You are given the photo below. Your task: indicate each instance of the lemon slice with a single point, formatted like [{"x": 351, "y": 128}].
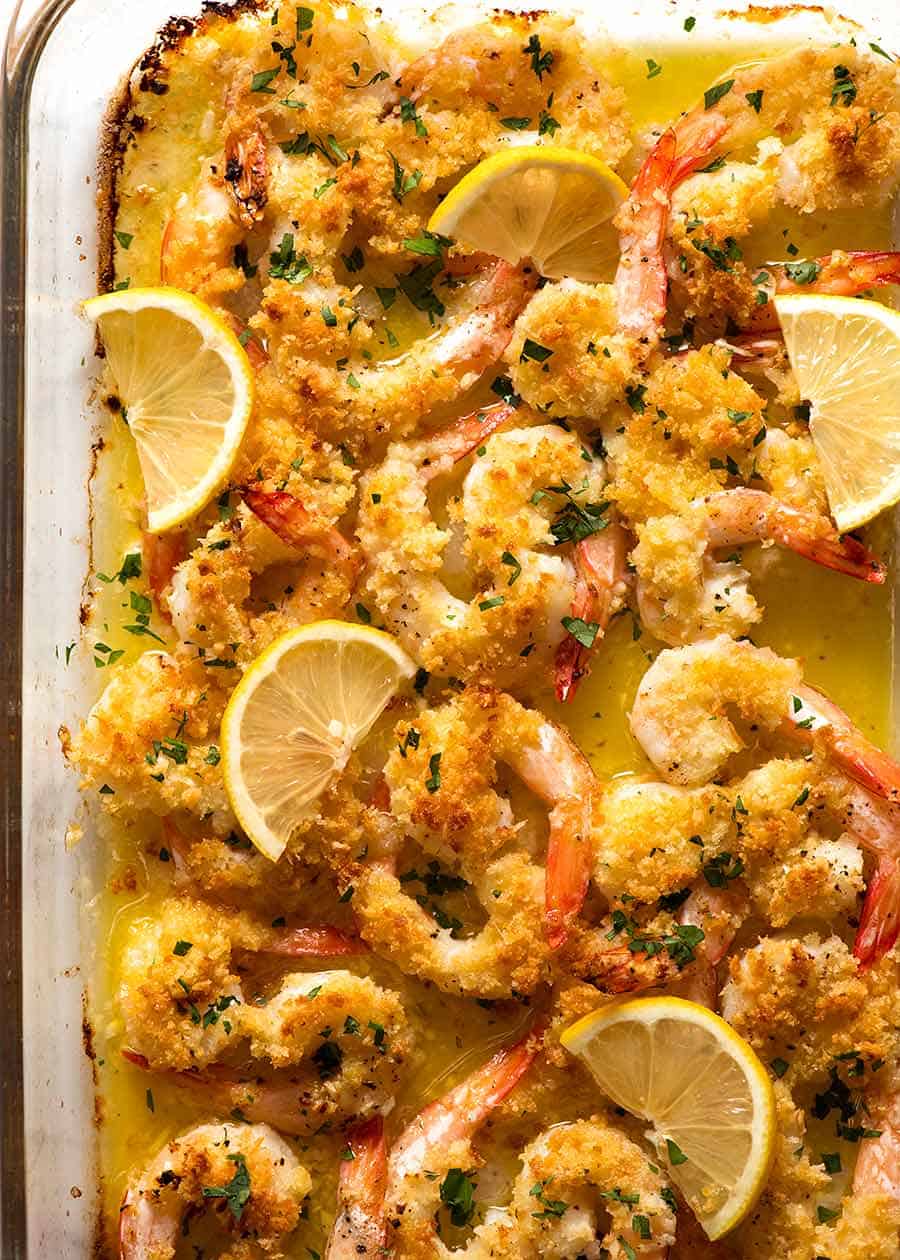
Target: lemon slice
[
  {"x": 551, "y": 205},
  {"x": 187, "y": 389},
  {"x": 700, "y": 1085},
  {"x": 845, "y": 353},
  {"x": 295, "y": 717}
]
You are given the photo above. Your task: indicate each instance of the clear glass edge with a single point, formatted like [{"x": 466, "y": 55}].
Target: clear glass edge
[
  {"x": 25, "y": 40},
  {"x": 30, "y": 28}
]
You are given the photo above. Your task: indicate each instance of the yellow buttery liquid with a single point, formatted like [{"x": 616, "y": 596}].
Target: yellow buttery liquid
[{"x": 841, "y": 629}]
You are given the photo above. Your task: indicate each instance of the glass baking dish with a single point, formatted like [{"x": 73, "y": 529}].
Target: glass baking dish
[{"x": 63, "y": 61}]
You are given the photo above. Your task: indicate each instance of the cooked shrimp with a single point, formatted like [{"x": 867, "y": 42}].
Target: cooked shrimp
[
  {"x": 352, "y": 398},
  {"x": 508, "y": 66},
  {"x": 553, "y": 768},
  {"x": 327, "y": 1047},
  {"x": 878, "y": 1164},
  {"x": 593, "y": 339},
  {"x": 719, "y": 913},
  {"x": 529, "y": 494},
  {"x": 568, "y": 1199},
  {"x": 442, "y": 792},
  {"x": 807, "y": 1002},
  {"x": 876, "y": 825},
  {"x": 247, "y": 1174},
  {"x": 266, "y": 569},
  {"x": 684, "y": 594},
  {"x": 145, "y": 745},
  {"x": 181, "y": 990},
  {"x": 679, "y": 713},
  {"x": 360, "y": 1228},
  {"x": 229, "y": 869},
  {"x": 601, "y": 565},
  {"x": 438, "y": 1141},
  {"x": 826, "y": 122}
]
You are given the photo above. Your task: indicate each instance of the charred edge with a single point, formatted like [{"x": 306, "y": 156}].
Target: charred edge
[
  {"x": 123, "y": 120},
  {"x": 777, "y": 12},
  {"x": 87, "y": 596}
]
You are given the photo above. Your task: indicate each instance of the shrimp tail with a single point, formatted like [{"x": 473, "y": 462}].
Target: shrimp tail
[
  {"x": 858, "y": 756},
  {"x": 458, "y": 1114},
  {"x": 247, "y": 175},
  {"x": 696, "y": 140},
  {"x": 487, "y": 1087},
  {"x": 844, "y": 554},
  {"x": 736, "y": 516},
  {"x": 846, "y": 273},
  {"x": 600, "y": 574},
  {"x": 360, "y": 1228},
  {"x": 568, "y": 876},
  {"x": 879, "y": 925},
  {"x": 287, "y": 518},
  {"x": 642, "y": 285},
  {"x": 842, "y": 273},
  {"x": 462, "y": 436}
]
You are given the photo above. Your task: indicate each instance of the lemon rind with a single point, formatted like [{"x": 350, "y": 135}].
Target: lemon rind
[
  {"x": 248, "y": 815},
  {"x": 650, "y": 1010},
  {"x": 225, "y": 342}
]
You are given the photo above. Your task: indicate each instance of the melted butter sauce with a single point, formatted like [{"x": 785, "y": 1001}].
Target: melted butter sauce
[{"x": 840, "y": 628}]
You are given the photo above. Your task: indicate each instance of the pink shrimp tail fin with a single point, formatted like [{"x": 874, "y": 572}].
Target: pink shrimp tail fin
[
  {"x": 461, "y": 437},
  {"x": 879, "y": 925},
  {"x": 567, "y": 879},
  {"x": 459, "y": 1113},
  {"x": 487, "y": 1087},
  {"x": 845, "y": 273},
  {"x": 697, "y": 135},
  {"x": 318, "y": 942},
  {"x": 360, "y": 1228},
  {"x": 289, "y": 520},
  {"x": 600, "y": 572},
  {"x": 862, "y": 760},
  {"x": 842, "y": 554},
  {"x": 642, "y": 285}
]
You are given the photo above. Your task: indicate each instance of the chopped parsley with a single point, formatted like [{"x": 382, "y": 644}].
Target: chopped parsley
[
  {"x": 535, "y": 351},
  {"x": 843, "y": 90},
  {"x": 551, "y": 1208},
  {"x": 458, "y": 1194},
  {"x": 236, "y": 1192},
  {"x": 541, "y": 62},
  {"x": 403, "y": 183},
  {"x": 584, "y": 632},
  {"x": 713, "y": 95},
  {"x": 428, "y": 244},
  {"x": 408, "y": 113},
  {"x": 805, "y": 272},
  {"x": 261, "y": 80},
  {"x": 285, "y": 264},
  {"x": 433, "y": 782},
  {"x": 510, "y": 560}
]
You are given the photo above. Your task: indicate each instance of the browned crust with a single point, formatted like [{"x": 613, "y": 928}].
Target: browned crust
[
  {"x": 766, "y": 15},
  {"x": 123, "y": 119}
]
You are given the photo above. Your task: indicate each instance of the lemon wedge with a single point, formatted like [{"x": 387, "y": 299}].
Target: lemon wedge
[
  {"x": 551, "y": 205},
  {"x": 295, "y": 717},
  {"x": 186, "y": 386},
  {"x": 702, "y": 1088},
  {"x": 845, "y": 353}
]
